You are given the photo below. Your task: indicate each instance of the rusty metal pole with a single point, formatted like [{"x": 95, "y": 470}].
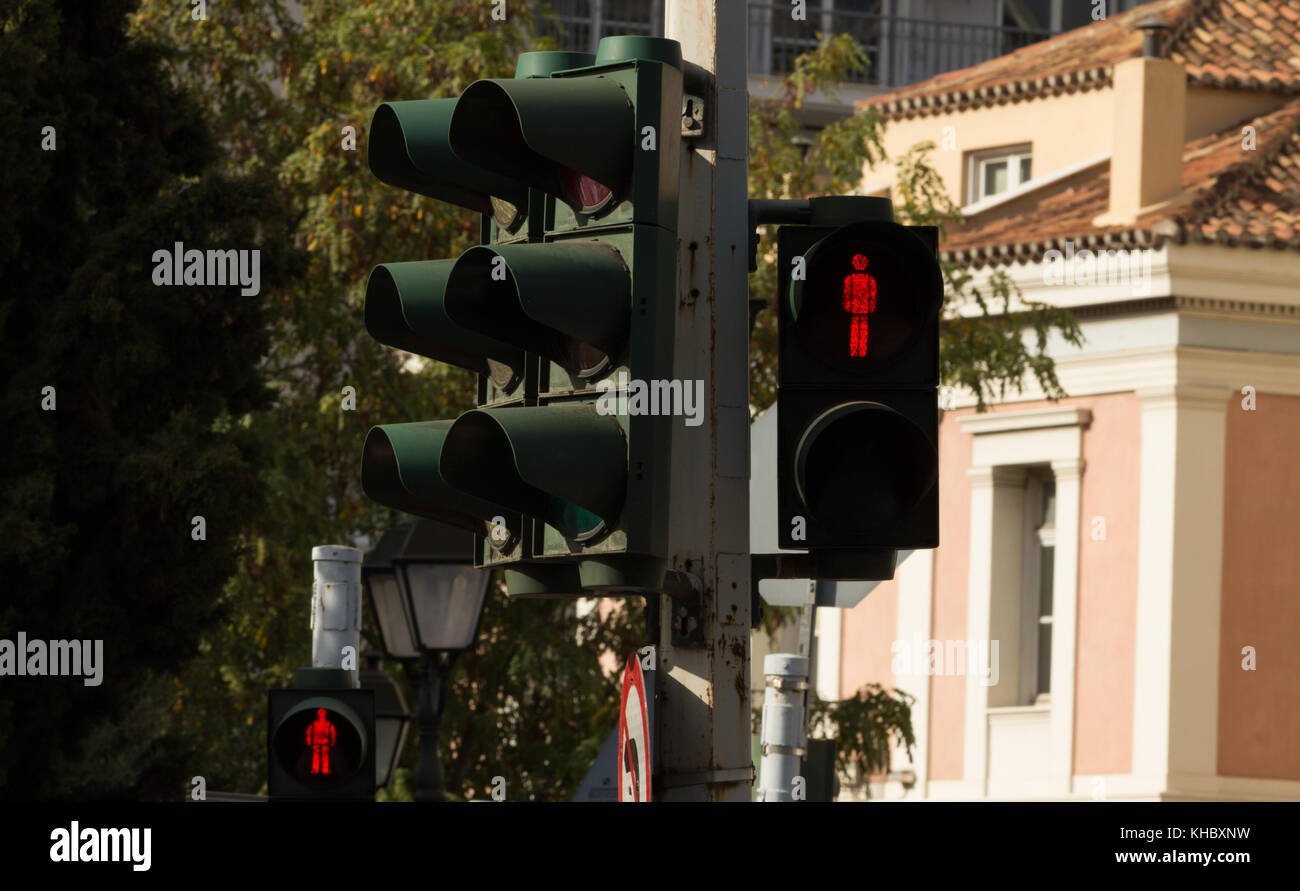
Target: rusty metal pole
[{"x": 703, "y": 715}]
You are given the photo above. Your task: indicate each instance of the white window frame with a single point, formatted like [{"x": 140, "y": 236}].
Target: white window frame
[
  {"x": 978, "y": 160},
  {"x": 1005, "y": 444},
  {"x": 1036, "y": 537}
]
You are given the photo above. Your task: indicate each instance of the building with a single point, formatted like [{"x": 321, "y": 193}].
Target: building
[
  {"x": 1112, "y": 610},
  {"x": 905, "y": 40}
]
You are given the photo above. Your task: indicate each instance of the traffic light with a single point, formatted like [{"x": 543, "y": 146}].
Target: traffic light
[
  {"x": 558, "y": 309},
  {"x": 321, "y": 739},
  {"x": 857, "y": 416}
]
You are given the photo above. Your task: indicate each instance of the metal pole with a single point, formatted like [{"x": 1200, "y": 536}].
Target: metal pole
[
  {"x": 784, "y": 739},
  {"x": 336, "y": 608},
  {"x": 428, "y": 711},
  {"x": 703, "y": 714}
]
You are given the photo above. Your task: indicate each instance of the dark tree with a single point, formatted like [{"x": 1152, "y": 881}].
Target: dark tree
[{"x": 153, "y": 385}]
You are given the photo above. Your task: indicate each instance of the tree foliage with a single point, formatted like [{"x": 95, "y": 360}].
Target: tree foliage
[
  {"x": 154, "y": 389},
  {"x": 867, "y": 726},
  {"x": 234, "y": 409},
  {"x": 282, "y": 89}
]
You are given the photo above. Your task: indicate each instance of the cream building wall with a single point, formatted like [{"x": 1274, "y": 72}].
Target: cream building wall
[{"x": 1062, "y": 131}]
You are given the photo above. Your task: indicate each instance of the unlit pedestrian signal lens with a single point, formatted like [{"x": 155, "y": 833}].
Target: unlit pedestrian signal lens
[{"x": 861, "y": 466}]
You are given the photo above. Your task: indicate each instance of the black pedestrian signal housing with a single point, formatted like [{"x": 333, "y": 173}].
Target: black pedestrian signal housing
[
  {"x": 859, "y": 301},
  {"x": 321, "y": 739}
]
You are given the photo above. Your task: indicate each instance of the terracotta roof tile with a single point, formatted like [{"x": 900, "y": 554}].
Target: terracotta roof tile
[
  {"x": 1230, "y": 195},
  {"x": 1236, "y": 43}
]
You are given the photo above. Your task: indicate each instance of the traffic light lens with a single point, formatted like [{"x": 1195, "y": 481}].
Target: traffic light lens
[
  {"x": 319, "y": 746},
  {"x": 506, "y": 215},
  {"x": 854, "y": 308},
  {"x": 863, "y": 466},
  {"x": 581, "y": 523},
  {"x": 584, "y": 359},
  {"x": 582, "y": 192},
  {"x": 505, "y": 377},
  {"x": 864, "y": 296}
]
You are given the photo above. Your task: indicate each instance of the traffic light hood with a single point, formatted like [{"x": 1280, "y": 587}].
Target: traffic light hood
[
  {"x": 400, "y": 469},
  {"x": 565, "y": 464},
  {"x": 405, "y": 308},
  {"x": 409, "y": 148},
  {"x": 550, "y": 299},
  {"x": 540, "y": 131}
]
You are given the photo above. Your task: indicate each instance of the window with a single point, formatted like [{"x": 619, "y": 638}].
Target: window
[
  {"x": 1039, "y": 565},
  {"x": 578, "y": 25},
  {"x": 1027, "y": 14},
  {"x": 776, "y": 39},
  {"x": 994, "y": 171},
  {"x": 1059, "y": 15}
]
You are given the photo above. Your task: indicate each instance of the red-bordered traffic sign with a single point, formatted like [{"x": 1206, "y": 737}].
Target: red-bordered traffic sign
[{"x": 633, "y": 736}]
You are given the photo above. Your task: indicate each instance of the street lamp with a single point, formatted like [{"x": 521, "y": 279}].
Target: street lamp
[
  {"x": 390, "y": 605},
  {"x": 392, "y": 721},
  {"x": 428, "y": 599}
]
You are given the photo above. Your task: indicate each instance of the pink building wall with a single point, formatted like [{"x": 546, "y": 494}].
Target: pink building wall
[
  {"x": 1107, "y": 599},
  {"x": 866, "y": 633},
  {"x": 1259, "y": 722},
  {"x": 947, "y": 737},
  {"x": 1105, "y": 645}
]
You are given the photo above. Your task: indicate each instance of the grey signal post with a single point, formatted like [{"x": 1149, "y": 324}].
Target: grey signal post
[{"x": 703, "y": 711}]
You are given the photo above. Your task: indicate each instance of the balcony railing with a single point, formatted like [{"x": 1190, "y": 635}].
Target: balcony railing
[
  {"x": 578, "y": 25},
  {"x": 900, "y": 51}
]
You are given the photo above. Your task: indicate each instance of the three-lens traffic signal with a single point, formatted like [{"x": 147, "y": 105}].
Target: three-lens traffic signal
[{"x": 572, "y": 290}]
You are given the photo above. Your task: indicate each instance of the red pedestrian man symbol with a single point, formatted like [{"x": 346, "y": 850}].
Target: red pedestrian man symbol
[
  {"x": 321, "y": 736},
  {"x": 859, "y": 300}
]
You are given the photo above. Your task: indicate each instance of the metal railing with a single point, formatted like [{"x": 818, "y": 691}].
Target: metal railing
[
  {"x": 578, "y": 25},
  {"x": 899, "y": 51}
]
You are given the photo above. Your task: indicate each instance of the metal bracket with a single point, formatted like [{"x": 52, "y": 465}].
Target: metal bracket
[
  {"x": 831, "y": 564},
  {"x": 791, "y": 211},
  {"x": 706, "y": 777},
  {"x": 687, "y": 593},
  {"x": 692, "y": 116},
  {"x": 776, "y": 682},
  {"x": 774, "y": 749}
]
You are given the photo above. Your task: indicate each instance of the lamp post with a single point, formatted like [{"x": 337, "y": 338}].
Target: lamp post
[
  {"x": 392, "y": 721},
  {"x": 428, "y": 599}
]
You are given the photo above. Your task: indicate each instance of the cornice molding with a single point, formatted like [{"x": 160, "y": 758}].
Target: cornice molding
[{"x": 1033, "y": 419}]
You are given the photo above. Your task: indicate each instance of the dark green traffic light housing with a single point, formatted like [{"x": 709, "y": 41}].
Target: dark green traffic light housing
[
  {"x": 554, "y": 313},
  {"x": 602, "y": 141}
]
